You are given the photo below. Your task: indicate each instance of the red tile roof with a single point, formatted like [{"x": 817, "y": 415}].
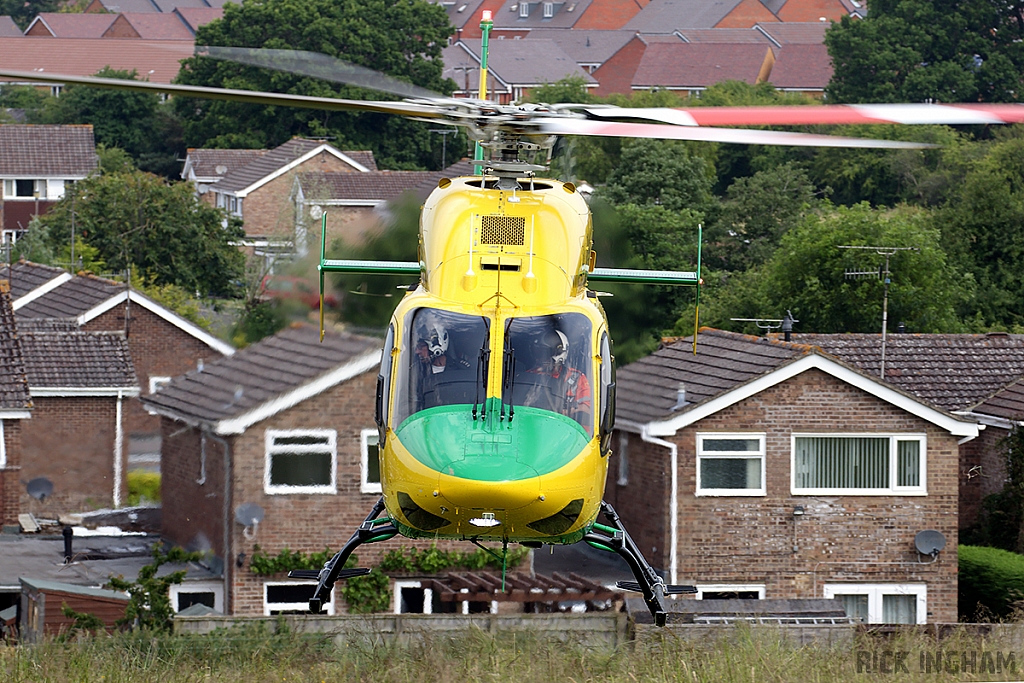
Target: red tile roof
[
  {"x": 157, "y": 60},
  {"x": 608, "y": 14},
  {"x": 154, "y": 26},
  {"x": 64, "y": 25},
  {"x": 802, "y": 32},
  {"x": 194, "y": 17},
  {"x": 689, "y": 65},
  {"x": 42, "y": 151},
  {"x": 802, "y": 67}
]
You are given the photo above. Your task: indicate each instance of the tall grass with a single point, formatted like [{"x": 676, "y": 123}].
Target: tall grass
[{"x": 254, "y": 654}]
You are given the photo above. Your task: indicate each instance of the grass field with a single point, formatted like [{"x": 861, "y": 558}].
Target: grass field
[{"x": 255, "y": 655}]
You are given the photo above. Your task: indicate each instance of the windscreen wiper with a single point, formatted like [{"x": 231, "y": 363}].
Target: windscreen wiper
[
  {"x": 482, "y": 363},
  {"x": 508, "y": 375}
]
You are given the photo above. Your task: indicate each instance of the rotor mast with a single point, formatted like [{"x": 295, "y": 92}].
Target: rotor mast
[{"x": 485, "y": 33}]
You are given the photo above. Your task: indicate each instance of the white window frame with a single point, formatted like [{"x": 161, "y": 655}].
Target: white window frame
[
  {"x": 549, "y": 10},
  {"x": 524, "y": 10},
  {"x": 719, "y": 455},
  {"x": 875, "y": 591},
  {"x": 428, "y": 597},
  {"x": 332, "y": 444},
  {"x": 703, "y": 588},
  {"x": 328, "y": 606},
  {"x": 215, "y": 587},
  {"x": 3, "y": 447},
  {"x": 893, "y": 490},
  {"x": 366, "y": 486},
  {"x": 157, "y": 381}
]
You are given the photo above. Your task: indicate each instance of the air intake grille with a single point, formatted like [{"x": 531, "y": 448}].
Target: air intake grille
[{"x": 507, "y": 230}]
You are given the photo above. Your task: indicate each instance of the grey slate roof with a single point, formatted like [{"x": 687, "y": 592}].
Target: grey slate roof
[
  {"x": 24, "y": 276},
  {"x": 647, "y": 389},
  {"x": 586, "y": 47},
  {"x": 565, "y": 13},
  {"x": 723, "y": 35},
  {"x": 216, "y": 163},
  {"x": 1007, "y": 403},
  {"x": 518, "y": 62},
  {"x": 78, "y": 359},
  {"x": 37, "y": 151},
  {"x": 952, "y": 371},
  {"x": 73, "y": 298},
  {"x": 8, "y": 28},
  {"x": 374, "y": 186},
  {"x": 278, "y": 158},
  {"x": 234, "y": 385},
  {"x": 665, "y": 16},
  {"x": 460, "y": 19},
  {"x": 13, "y": 382}
]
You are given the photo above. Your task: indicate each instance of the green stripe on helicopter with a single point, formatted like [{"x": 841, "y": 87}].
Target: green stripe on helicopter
[{"x": 448, "y": 440}]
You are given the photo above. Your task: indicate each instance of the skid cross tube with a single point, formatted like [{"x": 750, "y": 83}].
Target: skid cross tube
[
  {"x": 647, "y": 582},
  {"x": 370, "y": 531}
]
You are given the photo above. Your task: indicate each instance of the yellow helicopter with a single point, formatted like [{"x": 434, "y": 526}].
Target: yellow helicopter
[{"x": 496, "y": 394}]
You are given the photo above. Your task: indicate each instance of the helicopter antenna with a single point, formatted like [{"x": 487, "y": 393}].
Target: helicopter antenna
[
  {"x": 883, "y": 273},
  {"x": 485, "y": 33}
]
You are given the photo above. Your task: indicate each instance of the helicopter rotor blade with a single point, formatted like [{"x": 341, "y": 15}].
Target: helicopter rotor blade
[
  {"x": 419, "y": 110},
  {"x": 573, "y": 126},
  {"x": 828, "y": 114},
  {"x": 316, "y": 65}
]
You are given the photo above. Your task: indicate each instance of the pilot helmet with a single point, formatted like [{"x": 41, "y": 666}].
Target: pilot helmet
[
  {"x": 557, "y": 343},
  {"x": 435, "y": 336}
]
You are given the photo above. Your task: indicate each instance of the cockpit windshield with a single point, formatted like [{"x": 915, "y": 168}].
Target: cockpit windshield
[
  {"x": 443, "y": 361},
  {"x": 548, "y": 365}
]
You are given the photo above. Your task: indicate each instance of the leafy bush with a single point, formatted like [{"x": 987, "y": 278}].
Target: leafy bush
[
  {"x": 991, "y": 582},
  {"x": 433, "y": 560},
  {"x": 367, "y": 593},
  {"x": 143, "y": 486}
]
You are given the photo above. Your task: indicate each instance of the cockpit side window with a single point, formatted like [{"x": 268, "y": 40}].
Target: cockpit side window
[
  {"x": 607, "y": 392},
  {"x": 551, "y": 365},
  {"x": 442, "y": 361}
]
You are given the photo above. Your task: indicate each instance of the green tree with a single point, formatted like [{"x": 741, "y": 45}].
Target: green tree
[
  {"x": 806, "y": 275},
  {"x": 402, "y": 38},
  {"x": 918, "y": 50},
  {"x": 138, "y": 219},
  {"x": 24, "y": 11},
  {"x": 662, "y": 173},
  {"x": 149, "y": 600}
]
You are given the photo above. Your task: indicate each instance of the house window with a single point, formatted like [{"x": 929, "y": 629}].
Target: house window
[
  {"x": 155, "y": 382},
  {"x": 730, "y": 465},
  {"x": 291, "y": 598},
  {"x": 859, "y": 464},
  {"x": 24, "y": 189},
  {"x": 882, "y": 603},
  {"x": 623, "y": 459},
  {"x": 369, "y": 467},
  {"x": 209, "y": 593},
  {"x": 301, "y": 461},
  {"x": 524, "y": 9},
  {"x": 549, "y": 10},
  {"x": 730, "y": 591}
]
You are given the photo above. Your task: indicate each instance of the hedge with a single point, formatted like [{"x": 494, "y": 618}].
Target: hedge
[{"x": 991, "y": 581}]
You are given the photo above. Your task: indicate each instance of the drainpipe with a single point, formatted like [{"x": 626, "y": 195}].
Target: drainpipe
[
  {"x": 673, "y": 503},
  {"x": 227, "y": 516},
  {"x": 118, "y": 446}
]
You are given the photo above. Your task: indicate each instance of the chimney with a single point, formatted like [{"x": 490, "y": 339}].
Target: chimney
[
  {"x": 787, "y": 326},
  {"x": 68, "y": 534},
  {"x": 901, "y": 328}
]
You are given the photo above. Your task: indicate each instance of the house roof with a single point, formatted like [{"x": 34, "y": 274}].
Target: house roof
[
  {"x": 682, "y": 65},
  {"x": 730, "y": 367},
  {"x": 155, "y": 60},
  {"x": 194, "y": 17},
  {"x": 8, "y": 29},
  {"x": 1007, "y": 403},
  {"x": 802, "y": 67},
  {"x": 47, "y": 151},
  {"x": 277, "y": 159},
  {"x": 586, "y": 47},
  {"x": 376, "y": 186},
  {"x": 781, "y": 33},
  {"x": 665, "y": 16},
  {"x": 14, "y": 394},
  {"x": 953, "y": 371},
  {"x": 722, "y": 35},
  {"x": 170, "y": 5},
  {"x": 217, "y": 163},
  {"x": 459, "y": 18},
  {"x": 608, "y": 14},
  {"x": 515, "y": 62},
  {"x": 116, "y": 6},
  {"x": 69, "y": 25},
  {"x": 25, "y": 276},
  {"x": 58, "y": 587},
  {"x": 158, "y": 26},
  {"x": 565, "y": 13},
  {"x": 71, "y": 299},
  {"x": 77, "y": 360},
  {"x": 255, "y": 383}
]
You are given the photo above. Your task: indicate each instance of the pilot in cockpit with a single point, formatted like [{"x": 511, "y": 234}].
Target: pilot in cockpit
[{"x": 567, "y": 388}]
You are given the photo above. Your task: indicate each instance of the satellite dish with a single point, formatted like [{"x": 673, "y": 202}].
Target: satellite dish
[
  {"x": 40, "y": 488},
  {"x": 249, "y": 514},
  {"x": 221, "y": 169},
  {"x": 316, "y": 212},
  {"x": 929, "y": 542}
]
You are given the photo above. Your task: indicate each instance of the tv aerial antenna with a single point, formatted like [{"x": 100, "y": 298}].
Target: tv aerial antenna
[
  {"x": 882, "y": 273},
  {"x": 769, "y": 324}
]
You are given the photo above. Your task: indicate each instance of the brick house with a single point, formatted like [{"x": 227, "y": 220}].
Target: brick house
[
  {"x": 667, "y": 16},
  {"x": 767, "y": 469},
  {"x": 206, "y": 167},
  {"x": 36, "y": 163},
  {"x": 80, "y": 383},
  {"x": 162, "y": 343},
  {"x": 259, "y": 191},
  {"x": 227, "y": 435},
  {"x": 15, "y": 406}
]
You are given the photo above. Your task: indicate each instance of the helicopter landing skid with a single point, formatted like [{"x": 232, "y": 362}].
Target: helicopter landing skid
[
  {"x": 370, "y": 531},
  {"x": 615, "y": 539}
]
